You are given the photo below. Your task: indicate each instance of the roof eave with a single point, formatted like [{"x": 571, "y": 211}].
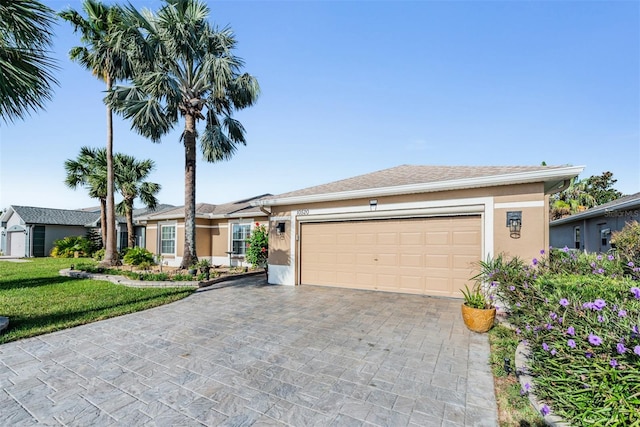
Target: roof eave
[
  {"x": 594, "y": 212},
  {"x": 554, "y": 176}
]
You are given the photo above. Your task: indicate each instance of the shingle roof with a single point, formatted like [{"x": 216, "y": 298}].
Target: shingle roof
[
  {"x": 207, "y": 209},
  {"x": 625, "y": 202},
  {"x": 35, "y": 215},
  {"x": 412, "y": 174}
]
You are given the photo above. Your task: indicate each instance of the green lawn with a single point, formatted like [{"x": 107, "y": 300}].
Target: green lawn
[{"x": 38, "y": 300}]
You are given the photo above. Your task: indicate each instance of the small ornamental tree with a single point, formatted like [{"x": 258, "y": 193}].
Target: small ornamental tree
[{"x": 258, "y": 250}]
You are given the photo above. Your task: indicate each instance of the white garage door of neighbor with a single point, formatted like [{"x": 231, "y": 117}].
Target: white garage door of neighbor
[
  {"x": 16, "y": 243},
  {"x": 428, "y": 256}
]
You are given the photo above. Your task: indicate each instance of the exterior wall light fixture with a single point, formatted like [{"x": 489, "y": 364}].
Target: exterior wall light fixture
[
  {"x": 373, "y": 204},
  {"x": 514, "y": 222}
]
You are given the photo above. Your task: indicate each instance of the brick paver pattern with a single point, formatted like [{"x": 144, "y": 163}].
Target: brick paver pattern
[{"x": 261, "y": 355}]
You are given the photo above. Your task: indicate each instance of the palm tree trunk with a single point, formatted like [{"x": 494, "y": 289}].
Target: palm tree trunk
[
  {"x": 103, "y": 221},
  {"x": 189, "y": 255},
  {"x": 130, "y": 233},
  {"x": 110, "y": 255}
]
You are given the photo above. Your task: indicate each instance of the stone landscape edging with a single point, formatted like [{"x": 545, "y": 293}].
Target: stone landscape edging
[
  {"x": 522, "y": 371},
  {"x": 123, "y": 280}
]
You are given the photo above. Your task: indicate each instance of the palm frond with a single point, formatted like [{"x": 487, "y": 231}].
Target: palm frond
[{"x": 26, "y": 79}]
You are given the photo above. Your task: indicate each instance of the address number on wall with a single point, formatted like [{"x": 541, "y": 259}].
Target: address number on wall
[{"x": 303, "y": 212}]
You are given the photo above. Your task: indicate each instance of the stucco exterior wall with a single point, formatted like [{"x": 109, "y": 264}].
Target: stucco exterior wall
[
  {"x": 212, "y": 238},
  {"x": 535, "y": 225},
  {"x": 203, "y": 238},
  {"x": 492, "y": 203},
  {"x": 56, "y": 232},
  {"x": 593, "y": 234}
]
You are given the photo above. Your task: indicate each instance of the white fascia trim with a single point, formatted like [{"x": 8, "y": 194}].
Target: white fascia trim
[
  {"x": 280, "y": 218},
  {"x": 515, "y": 205},
  {"x": 420, "y": 208},
  {"x": 404, "y": 213},
  {"x": 457, "y": 184},
  {"x": 233, "y": 215}
]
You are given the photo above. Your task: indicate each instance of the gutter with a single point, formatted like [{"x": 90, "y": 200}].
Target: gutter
[
  {"x": 487, "y": 181},
  {"x": 595, "y": 211}
]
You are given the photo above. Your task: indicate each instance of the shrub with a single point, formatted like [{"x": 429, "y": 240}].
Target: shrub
[
  {"x": 99, "y": 254},
  {"x": 69, "y": 246},
  {"x": 627, "y": 242},
  {"x": 258, "y": 250},
  {"x": 94, "y": 236},
  {"x": 182, "y": 277},
  {"x": 137, "y": 256},
  {"x": 580, "y": 317},
  {"x": 585, "y": 348},
  {"x": 571, "y": 261}
]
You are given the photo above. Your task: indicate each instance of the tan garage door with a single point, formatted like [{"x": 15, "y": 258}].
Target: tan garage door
[{"x": 430, "y": 256}]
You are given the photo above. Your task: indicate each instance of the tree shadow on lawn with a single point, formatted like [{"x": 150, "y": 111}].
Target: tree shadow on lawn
[
  {"x": 59, "y": 321},
  {"x": 34, "y": 282}
]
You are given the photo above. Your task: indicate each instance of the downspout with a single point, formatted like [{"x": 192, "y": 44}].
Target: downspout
[{"x": 264, "y": 210}]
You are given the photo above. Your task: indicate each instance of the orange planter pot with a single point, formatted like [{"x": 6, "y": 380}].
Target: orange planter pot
[{"x": 478, "y": 319}]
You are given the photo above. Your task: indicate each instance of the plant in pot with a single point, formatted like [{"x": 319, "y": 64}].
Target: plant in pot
[{"x": 478, "y": 311}]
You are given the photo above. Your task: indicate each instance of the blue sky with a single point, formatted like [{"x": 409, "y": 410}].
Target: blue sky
[{"x": 351, "y": 87}]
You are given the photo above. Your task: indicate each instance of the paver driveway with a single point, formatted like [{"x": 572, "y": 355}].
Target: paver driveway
[{"x": 250, "y": 354}]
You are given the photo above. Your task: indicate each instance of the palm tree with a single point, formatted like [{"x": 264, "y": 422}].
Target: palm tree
[
  {"x": 574, "y": 199},
  {"x": 107, "y": 50},
  {"x": 90, "y": 170},
  {"x": 25, "y": 77},
  {"x": 130, "y": 174},
  {"x": 192, "y": 73}
]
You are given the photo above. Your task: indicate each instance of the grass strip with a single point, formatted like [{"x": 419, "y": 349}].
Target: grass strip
[{"x": 38, "y": 300}]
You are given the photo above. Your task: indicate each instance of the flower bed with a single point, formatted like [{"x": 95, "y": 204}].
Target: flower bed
[{"x": 579, "y": 315}]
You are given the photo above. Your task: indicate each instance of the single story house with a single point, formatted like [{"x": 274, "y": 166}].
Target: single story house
[
  {"x": 411, "y": 229},
  {"x": 28, "y": 231},
  {"x": 222, "y": 231},
  {"x": 590, "y": 230}
]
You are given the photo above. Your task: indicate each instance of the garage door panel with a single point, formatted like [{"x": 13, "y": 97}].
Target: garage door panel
[
  {"x": 464, "y": 262},
  {"x": 365, "y": 238},
  {"x": 411, "y": 260},
  {"x": 437, "y": 261},
  {"x": 432, "y": 256},
  {"x": 415, "y": 238},
  {"x": 465, "y": 238},
  {"x": 365, "y": 259},
  {"x": 437, "y": 238},
  {"x": 387, "y": 281},
  {"x": 384, "y": 260},
  {"x": 387, "y": 239}
]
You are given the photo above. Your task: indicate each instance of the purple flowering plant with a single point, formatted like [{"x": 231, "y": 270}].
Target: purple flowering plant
[{"x": 582, "y": 326}]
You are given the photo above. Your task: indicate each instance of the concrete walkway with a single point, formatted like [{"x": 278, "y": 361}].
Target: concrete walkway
[{"x": 254, "y": 354}]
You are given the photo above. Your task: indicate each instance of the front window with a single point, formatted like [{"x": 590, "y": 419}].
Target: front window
[
  {"x": 576, "y": 237},
  {"x": 168, "y": 239},
  {"x": 239, "y": 238}
]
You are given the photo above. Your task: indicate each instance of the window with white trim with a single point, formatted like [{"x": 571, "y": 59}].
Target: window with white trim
[
  {"x": 576, "y": 237},
  {"x": 240, "y": 238},
  {"x": 168, "y": 239}
]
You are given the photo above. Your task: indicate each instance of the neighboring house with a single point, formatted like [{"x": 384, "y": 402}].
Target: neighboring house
[
  {"x": 28, "y": 231},
  {"x": 590, "y": 230},
  {"x": 411, "y": 229},
  {"x": 222, "y": 231}
]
